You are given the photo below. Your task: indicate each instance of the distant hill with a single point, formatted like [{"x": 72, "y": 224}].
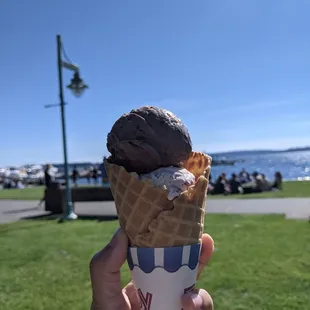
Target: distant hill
[
  {"x": 259, "y": 152},
  {"x": 297, "y": 149}
]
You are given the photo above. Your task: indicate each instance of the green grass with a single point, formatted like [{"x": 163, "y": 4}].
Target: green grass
[
  {"x": 30, "y": 193},
  {"x": 260, "y": 262},
  {"x": 290, "y": 189}
]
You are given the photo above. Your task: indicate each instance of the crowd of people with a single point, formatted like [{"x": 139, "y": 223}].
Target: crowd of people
[
  {"x": 7, "y": 183},
  {"x": 244, "y": 183},
  {"x": 92, "y": 174}
]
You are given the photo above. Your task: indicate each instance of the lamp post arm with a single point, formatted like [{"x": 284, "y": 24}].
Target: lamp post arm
[{"x": 70, "y": 66}]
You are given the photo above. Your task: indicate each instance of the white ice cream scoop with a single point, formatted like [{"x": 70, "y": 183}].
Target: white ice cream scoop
[{"x": 175, "y": 179}]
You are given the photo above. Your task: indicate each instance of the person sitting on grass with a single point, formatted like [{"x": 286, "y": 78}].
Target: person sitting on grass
[
  {"x": 19, "y": 184},
  {"x": 255, "y": 186},
  {"x": 210, "y": 185},
  {"x": 221, "y": 185},
  {"x": 244, "y": 176},
  {"x": 277, "y": 184},
  {"x": 262, "y": 184},
  {"x": 7, "y": 183},
  {"x": 235, "y": 185}
]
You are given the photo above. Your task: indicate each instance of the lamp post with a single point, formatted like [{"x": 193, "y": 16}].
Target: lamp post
[{"x": 77, "y": 86}]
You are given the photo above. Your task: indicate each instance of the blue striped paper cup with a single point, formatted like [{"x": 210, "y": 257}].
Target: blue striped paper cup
[{"x": 163, "y": 275}]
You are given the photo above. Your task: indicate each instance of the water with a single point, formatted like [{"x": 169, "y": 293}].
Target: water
[{"x": 292, "y": 165}]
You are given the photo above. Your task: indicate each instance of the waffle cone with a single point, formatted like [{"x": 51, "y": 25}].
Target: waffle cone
[{"x": 148, "y": 218}]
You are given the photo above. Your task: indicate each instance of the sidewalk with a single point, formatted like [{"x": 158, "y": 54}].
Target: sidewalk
[{"x": 293, "y": 208}]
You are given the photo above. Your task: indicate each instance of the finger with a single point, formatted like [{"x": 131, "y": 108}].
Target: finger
[
  {"x": 207, "y": 248},
  {"x": 130, "y": 291},
  {"x": 105, "y": 268},
  {"x": 197, "y": 300}
]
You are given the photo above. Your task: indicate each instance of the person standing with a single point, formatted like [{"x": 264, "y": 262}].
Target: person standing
[
  {"x": 48, "y": 175},
  {"x": 95, "y": 175},
  {"x": 75, "y": 176},
  {"x": 89, "y": 174},
  {"x": 48, "y": 179},
  {"x": 104, "y": 176}
]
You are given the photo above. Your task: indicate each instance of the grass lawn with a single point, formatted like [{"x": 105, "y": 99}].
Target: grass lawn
[
  {"x": 30, "y": 193},
  {"x": 290, "y": 189},
  {"x": 260, "y": 262}
]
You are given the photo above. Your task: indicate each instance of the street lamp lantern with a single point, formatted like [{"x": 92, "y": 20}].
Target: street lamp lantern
[{"x": 77, "y": 85}]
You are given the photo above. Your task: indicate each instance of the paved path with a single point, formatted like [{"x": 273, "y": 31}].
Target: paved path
[{"x": 293, "y": 208}]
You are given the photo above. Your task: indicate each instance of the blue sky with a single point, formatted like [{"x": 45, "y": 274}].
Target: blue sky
[{"x": 237, "y": 72}]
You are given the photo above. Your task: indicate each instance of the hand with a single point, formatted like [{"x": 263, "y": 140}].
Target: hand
[{"x": 106, "y": 278}]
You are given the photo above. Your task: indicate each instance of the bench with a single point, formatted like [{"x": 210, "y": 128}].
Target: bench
[{"x": 55, "y": 196}]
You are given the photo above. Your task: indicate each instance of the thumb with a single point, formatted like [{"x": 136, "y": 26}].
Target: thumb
[
  {"x": 111, "y": 258},
  {"x": 105, "y": 267}
]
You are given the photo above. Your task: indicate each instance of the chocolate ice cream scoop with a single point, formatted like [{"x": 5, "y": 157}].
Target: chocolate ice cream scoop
[{"x": 148, "y": 138}]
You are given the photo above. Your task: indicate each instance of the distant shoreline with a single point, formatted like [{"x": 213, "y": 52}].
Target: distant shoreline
[
  {"x": 260, "y": 152},
  {"x": 215, "y": 155}
]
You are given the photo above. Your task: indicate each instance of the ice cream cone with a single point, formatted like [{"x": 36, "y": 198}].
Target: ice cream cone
[{"x": 148, "y": 218}]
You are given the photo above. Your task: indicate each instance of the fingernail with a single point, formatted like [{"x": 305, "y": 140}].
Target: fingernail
[{"x": 197, "y": 300}]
